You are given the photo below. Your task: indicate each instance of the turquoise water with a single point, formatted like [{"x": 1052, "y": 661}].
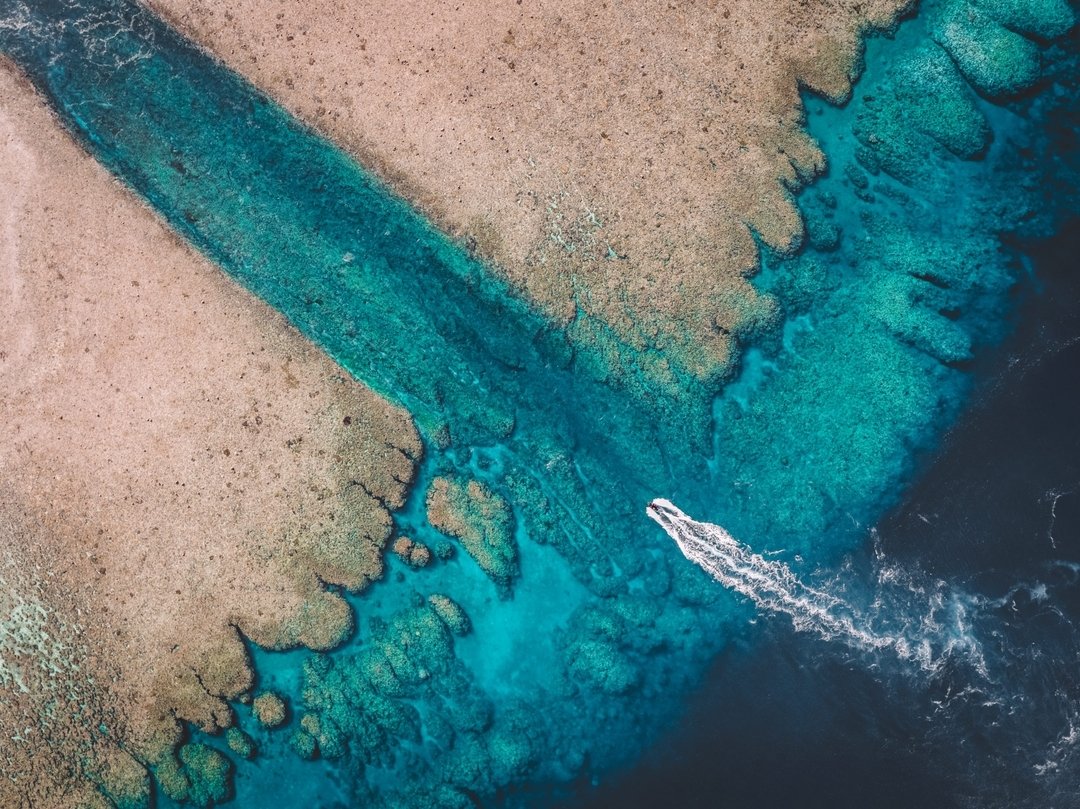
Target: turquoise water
[{"x": 903, "y": 282}]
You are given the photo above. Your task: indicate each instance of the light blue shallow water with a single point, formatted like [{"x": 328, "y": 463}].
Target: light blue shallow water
[{"x": 902, "y": 281}]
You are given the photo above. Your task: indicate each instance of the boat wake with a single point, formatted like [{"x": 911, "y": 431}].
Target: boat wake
[
  {"x": 931, "y": 627},
  {"x": 992, "y": 679}
]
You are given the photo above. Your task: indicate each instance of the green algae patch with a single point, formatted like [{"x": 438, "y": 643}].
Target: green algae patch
[{"x": 480, "y": 520}]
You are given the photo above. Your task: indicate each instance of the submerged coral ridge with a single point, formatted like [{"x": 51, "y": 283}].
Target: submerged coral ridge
[
  {"x": 481, "y": 520},
  {"x": 918, "y": 281},
  {"x": 360, "y": 709},
  {"x": 448, "y": 694}
]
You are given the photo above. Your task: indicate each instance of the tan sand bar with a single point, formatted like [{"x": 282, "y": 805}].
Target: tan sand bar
[
  {"x": 607, "y": 156},
  {"x": 178, "y": 464}
]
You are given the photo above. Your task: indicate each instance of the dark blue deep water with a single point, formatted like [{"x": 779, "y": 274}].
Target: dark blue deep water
[{"x": 940, "y": 230}]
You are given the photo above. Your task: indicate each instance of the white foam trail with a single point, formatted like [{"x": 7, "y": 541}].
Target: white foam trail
[
  {"x": 772, "y": 586},
  {"x": 1019, "y": 693}
]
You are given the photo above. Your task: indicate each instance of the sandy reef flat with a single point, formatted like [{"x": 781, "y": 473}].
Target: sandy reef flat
[
  {"x": 180, "y": 465},
  {"x": 612, "y": 160}
]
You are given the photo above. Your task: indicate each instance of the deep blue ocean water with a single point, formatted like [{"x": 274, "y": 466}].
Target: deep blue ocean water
[{"x": 893, "y": 309}]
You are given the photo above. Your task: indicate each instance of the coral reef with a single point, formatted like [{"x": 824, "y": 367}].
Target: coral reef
[
  {"x": 122, "y": 781},
  {"x": 606, "y": 647},
  {"x": 996, "y": 60},
  {"x": 354, "y": 705},
  {"x": 450, "y": 613},
  {"x": 932, "y": 100},
  {"x": 819, "y": 429},
  {"x": 916, "y": 284},
  {"x": 197, "y": 775},
  {"x": 1045, "y": 19},
  {"x": 992, "y": 41},
  {"x": 269, "y": 709},
  {"x": 414, "y": 554},
  {"x": 304, "y": 742},
  {"x": 240, "y": 743},
  {"x": 360, "y": 709},
  {"x": 182, "y": 463},
  {"x": 480, "y": 520},
  {"x": 614, "y": 163}
]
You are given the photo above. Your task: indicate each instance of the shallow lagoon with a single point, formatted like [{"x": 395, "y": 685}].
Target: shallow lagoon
[{"x": 901, "y": 285}]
